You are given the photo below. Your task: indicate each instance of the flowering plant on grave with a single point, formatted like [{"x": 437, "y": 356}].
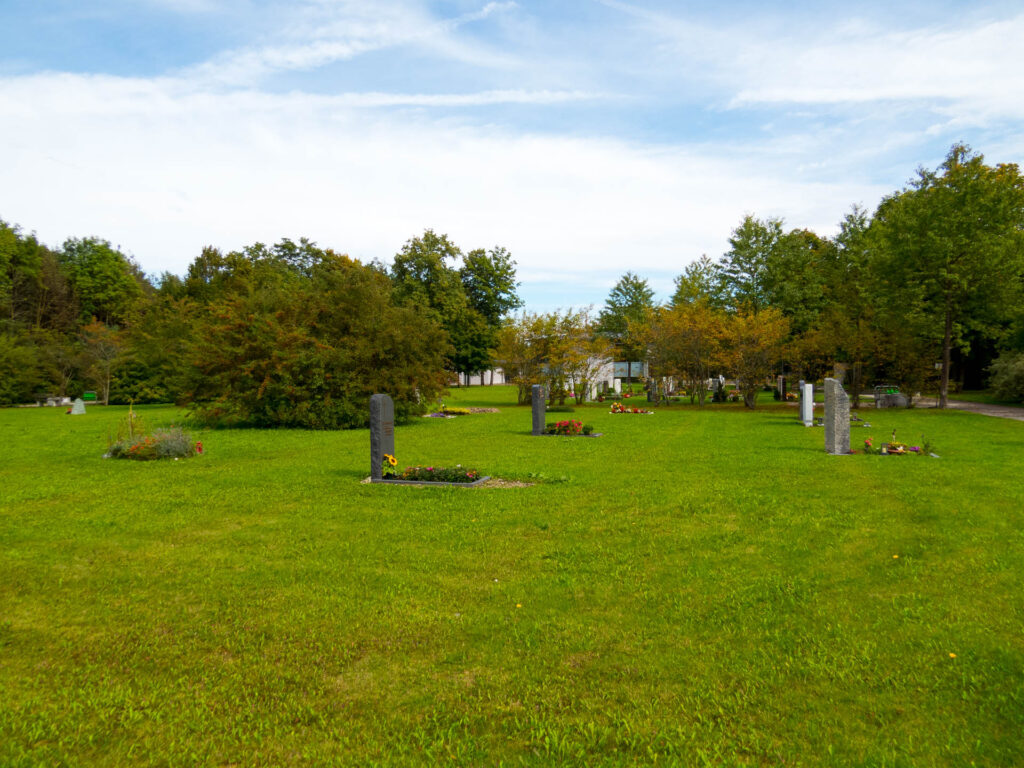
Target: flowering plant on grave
[
  {"x": 387, "y": 465},
  {"x": 567, "y": 427},
  {"x": 620, "y": 408},
  {"x": 456, "y": 474}
]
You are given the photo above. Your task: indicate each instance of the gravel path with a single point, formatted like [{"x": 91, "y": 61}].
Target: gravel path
[{"x": 999, "y": 411}]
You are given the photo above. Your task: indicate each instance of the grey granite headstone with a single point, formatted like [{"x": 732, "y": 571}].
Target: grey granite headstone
[
  {"x": 78, "y": 408},
  {"x": 539, "y": 412},
  {"x": 382, "y": 432},
  {"x": 837, "y": 419},
  {"x": 807, "y": 404}
]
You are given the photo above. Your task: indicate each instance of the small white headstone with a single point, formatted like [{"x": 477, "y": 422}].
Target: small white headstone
[
  {"x": 807, "y": 404},
  {"x": 618, "y": 386},
  {"x": 78, "y": 408}
]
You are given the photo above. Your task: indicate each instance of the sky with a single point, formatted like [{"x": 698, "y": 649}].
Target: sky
[{"x": 588, "y": 137}]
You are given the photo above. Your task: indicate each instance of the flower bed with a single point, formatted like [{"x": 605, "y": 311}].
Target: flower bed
[
  {"x": 457, "y": 475},
  {"x": 570, "y": 428},
  {"x": 134, "y": 442},
  {"x": 894, "y": 448},
  {"x": 619, "y": 408}
]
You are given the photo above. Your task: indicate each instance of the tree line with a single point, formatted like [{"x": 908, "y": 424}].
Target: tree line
[
  {"x": 926, "y": 292},
  {"x": 283, "y": 335}
]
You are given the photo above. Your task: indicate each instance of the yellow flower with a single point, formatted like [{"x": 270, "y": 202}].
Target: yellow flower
[
  {"x": 952, "y": 655},
  {"x": 519, "y": 605},
  {"x": 391, "y": 459},
  {"x": 895, "y": 557}
]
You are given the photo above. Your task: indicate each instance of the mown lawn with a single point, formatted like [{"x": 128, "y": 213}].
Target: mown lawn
[{"x": 694, "y": 588}]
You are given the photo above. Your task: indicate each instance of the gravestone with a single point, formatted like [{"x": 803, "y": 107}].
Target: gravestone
[
  {"x": 382, "y": 432},
  {"x": 618, "y": 386},
  {"x": 807, "y": 404},
  {"x": 78, "y": 407},
  {"x": 539, "y": 413},
  {"x": 837, "y": 419}
]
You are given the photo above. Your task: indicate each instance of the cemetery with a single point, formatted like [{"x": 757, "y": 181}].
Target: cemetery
[
  {"x": 289, "y": 290},
  {"x": 710, "y": 555}
]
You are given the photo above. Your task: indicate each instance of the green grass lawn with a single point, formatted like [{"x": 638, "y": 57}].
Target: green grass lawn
[{"x": 693, "y": 588}]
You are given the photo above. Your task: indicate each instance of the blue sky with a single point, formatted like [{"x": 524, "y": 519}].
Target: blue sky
[{"x": 589, "y": 138}]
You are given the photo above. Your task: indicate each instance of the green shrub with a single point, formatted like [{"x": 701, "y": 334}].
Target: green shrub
[{"x": 1008, "y": 376}]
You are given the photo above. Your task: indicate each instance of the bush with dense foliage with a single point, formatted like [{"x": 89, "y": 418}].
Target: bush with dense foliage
[
  {"x": 1008, "y": 376},
  {"x": 307, "y": 348}
]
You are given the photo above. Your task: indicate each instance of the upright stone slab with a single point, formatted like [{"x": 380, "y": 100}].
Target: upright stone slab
[
  {"x": 807, "y": 404},
  {"x": 78, "y": 408},
  {"x": 382, "y": 432},
  {"x": 837, "y": 419},
  {"x": 618, "y": 386},
  {"x": 539, "y": 412}
]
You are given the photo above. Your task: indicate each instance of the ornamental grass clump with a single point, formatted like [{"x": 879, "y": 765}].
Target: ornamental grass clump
[
  {"x": 133, "y": 441},
  {"x": 170, "y": 443}
]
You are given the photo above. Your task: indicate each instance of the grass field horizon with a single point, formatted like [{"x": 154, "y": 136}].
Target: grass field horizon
[{"x": 695, "y": 587}]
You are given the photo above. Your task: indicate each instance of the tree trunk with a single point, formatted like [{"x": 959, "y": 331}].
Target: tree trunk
[{"x": 947, "y": 343}]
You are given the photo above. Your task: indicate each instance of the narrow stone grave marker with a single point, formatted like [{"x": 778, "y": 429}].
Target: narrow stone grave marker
[
  {"x": 78, "y": 408},
  {"x": 837, "y": 419},
  {"x": 382, "y": 432},
  {"x": 539, "y": 413}
]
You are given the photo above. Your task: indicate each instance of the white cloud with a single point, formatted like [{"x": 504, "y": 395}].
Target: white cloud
[
  {"x": 968, "y": 69},
  {"x": 163, "y": 170},
  {"x": 319, "y": 34}
]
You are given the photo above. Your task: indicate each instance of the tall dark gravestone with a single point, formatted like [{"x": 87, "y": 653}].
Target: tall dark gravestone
[
  {"x": 382, "y": 432},
  {"x": 539, "y": 413}
]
